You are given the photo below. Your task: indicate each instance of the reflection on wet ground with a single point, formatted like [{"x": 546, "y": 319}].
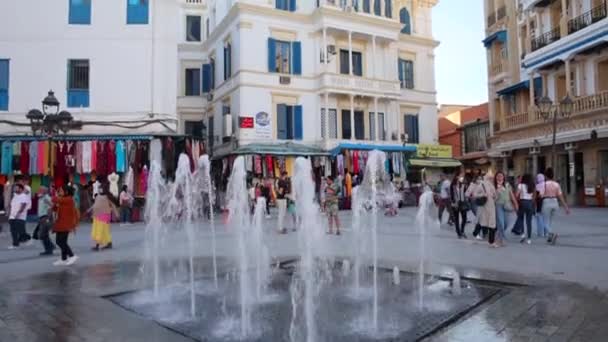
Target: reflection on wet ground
[{"x": 68, "y": 305}]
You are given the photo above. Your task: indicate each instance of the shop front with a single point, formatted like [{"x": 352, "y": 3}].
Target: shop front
[{"x": 429, "y": 163}]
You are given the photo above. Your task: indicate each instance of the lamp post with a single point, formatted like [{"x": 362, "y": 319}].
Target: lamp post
[
  {"x": 551, "y": 113},
  {"x": 50, "y": 121}
]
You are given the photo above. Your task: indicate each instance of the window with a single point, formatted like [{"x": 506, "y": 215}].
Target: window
[
  {"x": 226, "y": 108},
  {"x": 209, "y": 76},
  {"x": 602, "y": 76},
  {"x": 289, "y": 122},
  {"x": 381, "y": 130},
  {"x": 366, "y": 6},
  {"x": 193, "y": 28},
  {"x": 4, "y": 80},
  {"x": 193, "y": 81},
  {"x": 359, "y": 125},
  {"x": 377, "y": 7},
  {"x": 404, "y": 18},
  {"x": 411, "y": 128},
  {"x": 194, "y": 128},
  {"x": 357, "y": 63},
  {"x": 284, "y": 57},
  {"x": 372, "y": 125},
  {"x": 406, "y": 74},
  {"x": 333, "y": 124},
  {"x": 388, "y": 9},
  {"x": 476, "y": 137},
  {"x": 227, "y": 60},
  {"x": 286, "y": 5},
  {"x": 137, "y": 12},
  {"x": 78, "y": 83},
  {"x": 346, "y": 132},
  {"x": 80, "y": 12}
]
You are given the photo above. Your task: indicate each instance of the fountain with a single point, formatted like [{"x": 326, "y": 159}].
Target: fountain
[
  {"x": 205, "y": 189},
  {"x": 153, "y": 208},
  {"x": 425, "y": 219}
]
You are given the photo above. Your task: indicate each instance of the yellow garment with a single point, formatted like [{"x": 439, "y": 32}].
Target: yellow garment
[
  {"x": 100, "y": 232},
  {"x": 289, "y": 166},
  {"x": 349, "y": 184}
]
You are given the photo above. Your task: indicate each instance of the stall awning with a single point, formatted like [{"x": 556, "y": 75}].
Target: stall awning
[
  {"x": 538, "y": 85},
  {"x": 369, "y": 147},
  {"x": 435, "y": 162},
  {"x": 501, "y": 36},
  {"x": 76, "y": 137},
  {"x": 278, "y": 149}
]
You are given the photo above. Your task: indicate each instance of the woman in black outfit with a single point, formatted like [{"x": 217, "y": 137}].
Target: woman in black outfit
[{"x": 460, "y": 203}]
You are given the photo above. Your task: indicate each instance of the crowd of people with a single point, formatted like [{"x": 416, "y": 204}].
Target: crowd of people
[
  {"x": 493, "y": 200},
  {"x": 58, "y": 213}
]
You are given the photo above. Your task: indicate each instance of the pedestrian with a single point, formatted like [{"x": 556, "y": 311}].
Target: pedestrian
[
  {"x": 17, "y": 217},
  {"x": 348, "y": 189},
  {"x": 265, "y": 188},
  {"x": 550, "y": 195},
  {"x": 282, "y": 192},
  {"x": 66, "y": 222},
  {"x": 484, "y": 195},
  {"x": 444, "y": 198},
  {"x": 526, "y": 194},
  {"x": 460, "y": 204},
  {"x": 102, "y": 219},
  {"x": 252, "y": 197},
  {"x": 45, "y": 214},
  {"x": 291, "y": 209},
  {"x": 126, "y": 201},
  {"x": 322, "y": 194},
  {"x": 541, "y": 229},
  {"x": 505, "y": 205},
  {"x": 332, "y": 191}
]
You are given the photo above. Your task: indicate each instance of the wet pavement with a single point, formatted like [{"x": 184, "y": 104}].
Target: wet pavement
[{"x": 563, "y": 297}]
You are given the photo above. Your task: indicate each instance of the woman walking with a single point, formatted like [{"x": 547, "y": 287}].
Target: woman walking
[
  {"x": 505, "y": 204},
  {"x": 527, "y": 196},
  {"x": 541, "y": 229},
  {"x": 484, "y": 196},
  {"x": 102, "y": 217},
  {"x": 66, "y": 222},
  {"x": 460, "y": 203},
  {"x": 552, "y": 191}
]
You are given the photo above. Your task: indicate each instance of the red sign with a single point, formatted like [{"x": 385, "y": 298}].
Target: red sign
[{"x": 246, "y": 122}]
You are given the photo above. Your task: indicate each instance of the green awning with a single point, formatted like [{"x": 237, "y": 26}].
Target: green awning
[
  {"x": 280, "y": 149},
  {"x": 435, "y": 162}
]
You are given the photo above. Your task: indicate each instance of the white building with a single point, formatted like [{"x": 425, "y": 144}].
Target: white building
[{"x": 225, "y": 65}]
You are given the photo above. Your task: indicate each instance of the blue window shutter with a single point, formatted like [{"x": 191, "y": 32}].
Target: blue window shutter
[
  {"x": 272, "y": 53},
  {"x": 297, "y": 123},
  {"x": 4, "y": 80},
  {"x": 137, "y": 11},
  {"x": 196, "y": 82},
  {"x": 297, "y": 58},
  {"x": 404, "y": 18},
  {"x": 206, "y": 78},
  {"x": 292, "y": 5},
  {"x": 388, "y": 9},
  {"x": 366, "y": 6},
  {"x": 281, "y": 121},
  {"x": 377, "y": 7},
  {"x": 80, "y": 12}
]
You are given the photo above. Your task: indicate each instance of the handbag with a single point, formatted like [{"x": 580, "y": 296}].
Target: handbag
[
  {"x": 509, "y": 205},
  {"x": 481, "y": 201}
]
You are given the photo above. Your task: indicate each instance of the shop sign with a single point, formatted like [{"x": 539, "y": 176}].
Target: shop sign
[
  {"x": 258, "y": 126},
  {"x": 589, "y": 191},
  {"x": 433, "y": 151}
]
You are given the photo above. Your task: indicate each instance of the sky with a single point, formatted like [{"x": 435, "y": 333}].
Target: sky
[{"x": 460, "y": 59}]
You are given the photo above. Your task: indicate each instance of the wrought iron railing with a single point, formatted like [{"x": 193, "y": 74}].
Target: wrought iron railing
[
  {"x": 591, "y": 17},
  {"x": 546, "y": 39}
]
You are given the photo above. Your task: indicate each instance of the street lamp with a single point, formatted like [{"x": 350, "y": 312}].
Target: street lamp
[
  {"x": 50, "y": 121},
  {"x": 551, "y": 113}
]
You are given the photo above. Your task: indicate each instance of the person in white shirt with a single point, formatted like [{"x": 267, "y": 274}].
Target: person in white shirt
[
  {"x": 526, "y": 193},
  {"x": 444, "y": 198},
  {"x": 17, "y": 216}
]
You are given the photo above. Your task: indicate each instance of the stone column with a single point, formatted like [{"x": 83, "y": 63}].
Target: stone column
[
  {"x": 571, "y": 197},
  {"x": 563, "y": 22},
  {"x": 532, "y": 90},
  {"x": 352, "y": 117},
  {"x": 568, "y": 79},
  {"x": 373, "y": 57},
  {"x": 505, "y": 164},
  {"x": 534, "y": 151},
  {"x": 325, "y": 53},
  {"x": 350, "y": 52},
  {"x": 376, "y": 120}
]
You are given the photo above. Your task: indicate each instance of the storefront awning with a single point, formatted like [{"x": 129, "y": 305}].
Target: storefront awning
[
  {"x": 538, "y": 84},
  {"x": 369, "y": 147},
  {"x": 435, "y": 162},
  {"x": 501, "y": 36},
  {"x": 279, "y": 149}
]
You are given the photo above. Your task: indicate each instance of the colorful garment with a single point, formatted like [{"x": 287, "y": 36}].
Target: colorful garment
[
  {"x": 94, "y": 156},
  {"x": 257, "y": 161},
  {"x": 24, "y": 159},
  {"x": 7, "y": 158},
  {"x": 121, "y": 156},
  {"x": 156, "y": 150},
  {"x": 111, "y": 156},
  {"x": 43, "y": 158},
  {"x": 100, "y": 231},
  {"x": 33, "y": 162}
]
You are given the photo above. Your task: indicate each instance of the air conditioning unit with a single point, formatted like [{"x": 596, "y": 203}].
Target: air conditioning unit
[
  {"x": 331, "y": 49},
  {"x": 210, "y": 97},
  {"x": 284, "y": 79},
  {"x": 227, "y": 125}
]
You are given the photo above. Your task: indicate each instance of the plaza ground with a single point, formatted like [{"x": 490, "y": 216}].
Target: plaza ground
[{"x": 563, "y": 296}]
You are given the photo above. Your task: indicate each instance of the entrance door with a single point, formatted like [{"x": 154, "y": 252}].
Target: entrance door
[
  {"x": 579, "y": 171},
  {"x": 560, "y": 85}
]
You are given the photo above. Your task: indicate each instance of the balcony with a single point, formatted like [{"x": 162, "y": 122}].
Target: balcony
[
  {"x": 582, "y": 105},
  {"x": 501, "y": 13},
  {"x": 359, "y": 84},
  {"x": 546, "y": 39},
  {"x": 497, "y": 69},
  {"x": 588, "y": 18}
]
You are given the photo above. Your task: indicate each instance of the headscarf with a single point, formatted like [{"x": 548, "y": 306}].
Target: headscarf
[{"x": 540, "y": 182}]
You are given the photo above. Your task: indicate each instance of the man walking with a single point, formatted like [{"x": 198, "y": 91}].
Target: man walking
[
  {"x": 444, "y": 198},
  {"x": 45, "y": 206},
  {"x": 331, "y": 205},
  {"x": 283, "y": 190},
  {"x": 18, "y": 214}
]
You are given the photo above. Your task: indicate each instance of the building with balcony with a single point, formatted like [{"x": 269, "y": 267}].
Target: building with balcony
[{"x": 557, "y": 49}]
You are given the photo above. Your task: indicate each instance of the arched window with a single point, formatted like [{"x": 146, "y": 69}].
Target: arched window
[{"x": 404, "y": 18}]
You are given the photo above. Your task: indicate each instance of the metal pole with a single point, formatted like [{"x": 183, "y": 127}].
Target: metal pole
[{"x": 554, "y": 148}]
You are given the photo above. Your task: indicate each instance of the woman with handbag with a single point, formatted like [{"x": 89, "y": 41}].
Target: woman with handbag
[
  {"x": 541, "y": 229},
  {"x": 551, "y": 193},
  {"x": 505, "y": 204},
  {"x": 484, "y": 196},
  {"x": 460, "y": 203},
  {"x": 527, "y": 197}
]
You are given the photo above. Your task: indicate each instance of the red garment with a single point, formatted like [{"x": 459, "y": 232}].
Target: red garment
[
  {"x": 356, "y": 162},
  {"x": 67, "y": 214},
  {"x": 61, "y": 170},
  {"x": 111, "y": 156},
  {"x": 24, "y": 160},
  {"x": 70, "y": 157},
  {"x": 257, "y": 165},
  {"x": 102, "y": 158},
  {"x": 269, "y": 166},
  {"x": 189, "y": 153}
]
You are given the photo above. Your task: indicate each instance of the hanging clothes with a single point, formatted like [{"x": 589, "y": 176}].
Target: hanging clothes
[
  {"x": 7, "y": 158},
  {"x": 113, "y": 178},
  {"x": 70, "y": 157},
  {"x": 102, "y": 158},
  {"x": 94, "y": 156},
  {"x": 16, "y": 157},
  {"x": 33, "y": 153},
  {"x": 144, "y": 180},
  {"x": 111, "y": 155},
  {"x": 121, "y": 157},
  {"x": 355, "y": 162},
  {"x": 129, "y": 180},
  {"x": 78, "y": 157},
  {"x": 156, "y": 151},
  {"x": 289, "y": 163},
  {"x": 340, "y": 164},
  {"x": 24, "y": 159},
  {"x": 86, "y": 157},
  {"x": 43, "y": 157},
  {"x": 257, "y": 165},
  {"x": 249, "y": 163},
  {"x": 60, "y": 169},
  {"x": 168, "y": 156},
  {"x": 188, "y": 152},
  {"x": 269, "y": 166}
]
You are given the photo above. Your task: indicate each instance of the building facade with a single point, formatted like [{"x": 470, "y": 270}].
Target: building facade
[{"x": 555, "y": 50}]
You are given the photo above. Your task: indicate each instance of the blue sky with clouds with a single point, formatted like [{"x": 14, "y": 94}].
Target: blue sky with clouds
[{"x": 460, "y": 60}]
